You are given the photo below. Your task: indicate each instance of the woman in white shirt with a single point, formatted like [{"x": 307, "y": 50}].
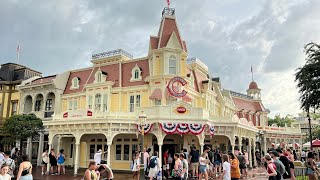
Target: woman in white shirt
[
  {"x": 4, "y": 172},
  {"x": 203, "y": 167},
  {"x": 226, "y": 175}
]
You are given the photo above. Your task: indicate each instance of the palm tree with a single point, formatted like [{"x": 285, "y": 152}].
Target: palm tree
[{"x": 308, "y": 78}]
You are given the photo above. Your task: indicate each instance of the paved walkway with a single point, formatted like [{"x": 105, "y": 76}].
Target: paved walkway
[{"x": 255, "y": 174}]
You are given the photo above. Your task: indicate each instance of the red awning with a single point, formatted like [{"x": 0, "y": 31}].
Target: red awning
[
  {"x": 156, "y": 94},
  {"x": 186, "y": 98},
  {"x": 316, "y": 143}
]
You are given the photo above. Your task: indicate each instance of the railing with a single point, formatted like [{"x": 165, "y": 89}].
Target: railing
[
  {"x": 112, "y": 53},
  {"x": 195, "y": 60},
  {"x": 281, "y": 129},
  {"x": 48, "y": 114}
]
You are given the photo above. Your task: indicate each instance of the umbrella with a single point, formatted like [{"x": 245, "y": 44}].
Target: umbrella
[{"x": 316, "y": 143}]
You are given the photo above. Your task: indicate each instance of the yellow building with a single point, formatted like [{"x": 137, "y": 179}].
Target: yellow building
[
  {"x": 11, "y": 75},
  {"x": 101, "y": 106}
]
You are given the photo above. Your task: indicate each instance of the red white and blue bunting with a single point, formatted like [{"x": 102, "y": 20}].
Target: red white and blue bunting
[
  {"x": 183, "y": 128},
  {"x": 169, "y": 128},
  {"x": 211, "y": 130},
  {"x": 147, "y": 128}
]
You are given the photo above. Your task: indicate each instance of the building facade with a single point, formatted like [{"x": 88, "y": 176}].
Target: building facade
[
  {"x": 11, "y": 75},
  {"x": 166, "y": 96}
]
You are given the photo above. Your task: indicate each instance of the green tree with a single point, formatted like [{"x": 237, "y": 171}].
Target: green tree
[
  {"x": 281, "y": 121},
  {"x": 308, "y": 78},
  {"x": 19, "y": 127},
  {"x": 315, "y": 133}
]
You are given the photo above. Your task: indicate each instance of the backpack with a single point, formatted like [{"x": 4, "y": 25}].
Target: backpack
[{"x": 153, "y": 162}]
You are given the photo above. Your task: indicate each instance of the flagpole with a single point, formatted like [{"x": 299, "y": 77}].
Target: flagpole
[{"x": 251, "y": 73}]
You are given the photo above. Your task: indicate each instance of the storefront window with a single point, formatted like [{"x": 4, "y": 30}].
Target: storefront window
[
  {"x": 92, "y": 148},
  {"x": 126, "y": 152},
  {"x": 118, "y": 152}
]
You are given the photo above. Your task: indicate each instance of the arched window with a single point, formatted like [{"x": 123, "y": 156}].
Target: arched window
[
  {"x": 172, "y": 65},
  {"x": 75, "y": 83},
  {"x": 98, "y": 77},
  {"x": 98, "y": 101},
  {"x": 136, "y": 74}
]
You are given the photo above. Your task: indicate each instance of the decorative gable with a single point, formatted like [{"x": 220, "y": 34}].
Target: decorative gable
[
  {"x": 136, "y": 74},
  {"x": 173, "y": 42}
]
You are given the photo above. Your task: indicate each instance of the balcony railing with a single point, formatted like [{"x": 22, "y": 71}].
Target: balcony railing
[{"x": 48, "y": 114}]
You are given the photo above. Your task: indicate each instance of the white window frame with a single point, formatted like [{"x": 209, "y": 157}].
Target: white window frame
[
  {"x": 75, "y": 104},
  {"x": 97, "y": 104},
  {"x": 131, "y": 144},
  {"x": 170, "y": 67},
  {"x": 75, "y": 83},
  {"x": 135, "y": 103},
  {"x": 99, "y": 77},
  {"x": 136, "y": 69},
  {"x": 90, "y": 102},
  {"x": 70, "y": 105},
  {"x": 157, "y": 102},
  {"x": 104, "y": 102}
]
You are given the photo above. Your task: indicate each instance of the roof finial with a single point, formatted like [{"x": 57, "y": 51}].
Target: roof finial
[
  {"x": 168, "y": 2},
  {"x": 251, "y": 73}
]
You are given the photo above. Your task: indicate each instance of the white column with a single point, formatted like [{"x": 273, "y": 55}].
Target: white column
[
  {"x": 264, "y": 145},
  {"x": 59, "y": 144},
  {"x": 227, "y": 147},
  {"x": 254, "y": 155},
  {"x": 40, "y": 149},
  {"x": 109, "y": 154},
  {"x": 29, "y": 147},
  {"x": 201, "y": 148},
  {"x": 160, "y": 154},
  {"x": 76, "y": 162},
  {"x": 240, "y": 144},
  {"x": 232, "y": 147},
  {"x": 249, "y": 150},
  {"x": 49, "y": 151}
]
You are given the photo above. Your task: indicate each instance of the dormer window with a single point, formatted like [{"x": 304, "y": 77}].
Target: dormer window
[
  {"x": 100, "y": 76},
  {"x": 136, "y": 74},
  {"x": 172, "y": 65},
  {"x": 75, "y": 83}
]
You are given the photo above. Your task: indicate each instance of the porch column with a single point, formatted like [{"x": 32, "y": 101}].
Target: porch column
[
  {"x": 109, "y": 154},
  {"x": 76, "y": 162},
  {"x": 249, "y": 150},
  {"x": 29, "y": 148},
  {"x": 264, "y": 145},
  {"x": 48, "y": 164},
  {"x": 232, "y": 147},
  {"x": 240, "y": 144},
  {"x": 40, "y": 150},
  {"x": 160, "y": 154},
  {"x": 254, "y": 155},
  {"x": 59, "y": 143},
  {"x": 227, "y": 147},
  {"x": 201, "y": 147}
]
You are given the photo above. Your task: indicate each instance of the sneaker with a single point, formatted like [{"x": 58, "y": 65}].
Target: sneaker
[{"x": 42, "y": 173}]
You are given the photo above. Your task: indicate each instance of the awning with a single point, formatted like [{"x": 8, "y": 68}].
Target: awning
[
  {"x": 156, "y": 94},
  {"x": 186, "y": 98}
]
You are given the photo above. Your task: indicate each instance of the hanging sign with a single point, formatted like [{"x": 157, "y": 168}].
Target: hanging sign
[
  {"x": 173, "y": 91},
  {"x": 77, "y": 113}
]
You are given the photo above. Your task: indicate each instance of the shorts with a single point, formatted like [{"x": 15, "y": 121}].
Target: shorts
[
  {"x": 153, "y": 172},
  {"x": 217, "y": 163},
  {"x": 194, "y": 166},
  {"x": 203, "y": 168},
  {"x": 43, "y": 163},
  {"x": 61, "y": 164},
  {"x": 166, "y": 167},
  {"x": 53, "y": 163}
]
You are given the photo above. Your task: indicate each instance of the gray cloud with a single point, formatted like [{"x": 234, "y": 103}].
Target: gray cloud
[{"x": 228, "y": 36}]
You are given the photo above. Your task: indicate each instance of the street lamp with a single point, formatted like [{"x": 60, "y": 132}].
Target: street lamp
[
  {"x": 142, "y": 122},
  {"x": 310, "y": 134}
]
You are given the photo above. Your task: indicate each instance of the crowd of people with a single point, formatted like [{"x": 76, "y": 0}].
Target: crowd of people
[{"x": 15, "y": 166}]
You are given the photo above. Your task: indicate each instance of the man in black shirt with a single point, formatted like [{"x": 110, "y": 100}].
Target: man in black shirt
[
  {"x": 217, "y": 162},
  {"x": 285, "y": 161},
  {"x": 194, "y": 161}
]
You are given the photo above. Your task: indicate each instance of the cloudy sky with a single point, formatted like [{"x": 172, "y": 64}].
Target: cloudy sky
[{"x": 229, "y": 36}]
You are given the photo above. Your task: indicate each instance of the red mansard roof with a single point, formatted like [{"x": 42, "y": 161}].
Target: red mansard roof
[
  {"x": 247, "y": 105},
  {"x": 43, "y": 80},
  {"x": 126, "y": 72},
  {"x": 112, "y": 74},
  {"x": 198, "y": 80},
  {"x": 83, "y": 76},
  {"x": 154, "y": 42},
  {"x": 169, "y": 26}
]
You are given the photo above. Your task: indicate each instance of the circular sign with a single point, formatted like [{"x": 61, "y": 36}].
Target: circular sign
[
  {"x": 174, "y": 92},
  {"x": 181, "y": 109}
]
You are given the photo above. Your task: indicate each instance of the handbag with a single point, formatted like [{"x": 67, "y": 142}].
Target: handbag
[{"x": 309, "y": 171}]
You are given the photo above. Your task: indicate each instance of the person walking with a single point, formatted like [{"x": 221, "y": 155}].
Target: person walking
[
  {"x": 194, "y": 162},
  {"x": 311, "y": 167},
  {"x": 136, "y": 166},
  {"x": 235, "y": 170},
  {"x": 242, "y": 164},
  {"x": 4, "y": 172},
  {"x": 279, "y": 166},
  {"x": 146, "y": 160},
  {"x": 185, "y": 166},
  {"x": 98, "y": 156},
  {"x": 303, "y": 156},
  {"x": 61, "y": 157},
  {"x": 25, "y": 169},
  {"x": 166, "y": 166},
  {"x": 154, "y": 165},
  {"x": 226, "y": 174},
  {"x": 271, "y": 168},
  {"x": 105, "y": 172},
  {"x": 1, "y": 155},
  {"x": 286, "y": 163},
  {"x": 53, "y": 162},
  {"x": 45, "y": 161},
  {"x": 290, "y": 157},
  {"x": 90, "y": 173},
  {"x": 10, "y": 162},
  {"x": 217, "y": 162},
  {"x": 203, "y": 166},
  {"x": 178, "y": 167}
]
